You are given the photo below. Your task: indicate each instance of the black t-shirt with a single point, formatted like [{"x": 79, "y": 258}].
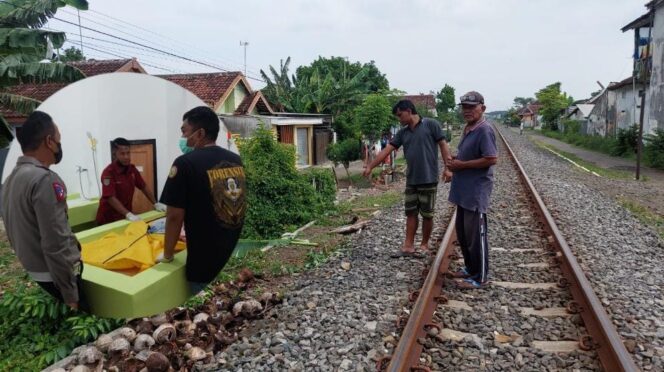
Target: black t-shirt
[{"x": 210, "y": 185}]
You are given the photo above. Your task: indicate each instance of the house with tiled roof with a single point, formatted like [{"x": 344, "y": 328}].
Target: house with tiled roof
[
  {"x": 224, "y": 92},
  {"x": 425, "y": 101},
  {"x": 242, "y": 110},
  {"x": 91, "y": 67},
  {"x": 530, "y": 116}
]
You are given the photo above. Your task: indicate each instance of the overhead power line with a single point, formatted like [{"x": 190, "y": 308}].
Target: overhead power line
[
  {"x": 152, "y": 48},
  {"x": 123, "y": 24},
  {"x": 96, "y": 48}
]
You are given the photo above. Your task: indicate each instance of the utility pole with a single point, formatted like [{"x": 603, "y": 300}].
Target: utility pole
[
  {"x": 80, "y": 32},
  {"x": 244, "y": 44}
]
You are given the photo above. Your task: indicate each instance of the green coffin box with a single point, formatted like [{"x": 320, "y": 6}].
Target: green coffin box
[
  {"x": 163, "y": 286},
  {"x": 81, "y": 212},
  {"x": 116, "y": 295}
]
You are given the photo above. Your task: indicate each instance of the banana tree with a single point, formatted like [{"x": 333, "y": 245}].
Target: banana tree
[{"x": 23, "y": 47}]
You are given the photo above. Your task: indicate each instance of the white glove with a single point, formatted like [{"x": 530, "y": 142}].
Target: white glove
[
  {"x": 161, "y": 258},
  {"x": 160, "y": 207},
  {"x": 132, "y": 217}
]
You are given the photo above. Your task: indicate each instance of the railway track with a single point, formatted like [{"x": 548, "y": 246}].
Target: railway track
[{"x": 540, "y": 312}]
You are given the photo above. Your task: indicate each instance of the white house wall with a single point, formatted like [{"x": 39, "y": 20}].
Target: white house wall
[
  {"x": 134, "y": 106},
  {"x": 627, "y": 113},
  {"x": 655, "y": 111}
]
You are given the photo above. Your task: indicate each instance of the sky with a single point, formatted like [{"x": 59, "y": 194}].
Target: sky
[{"x": 501, "y": 48}]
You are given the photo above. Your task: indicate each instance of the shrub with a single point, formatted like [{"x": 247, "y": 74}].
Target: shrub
[
  {"x": 627, "y": 141},
  {"x": 278, "y": 196},
  {"x": 654, "y": 149},
  {"x": 571, "y": 126},
  {"x": 323, "y": 182},
  {"x": 344, "y": 152},
  {"x": 38, "y": 330}
]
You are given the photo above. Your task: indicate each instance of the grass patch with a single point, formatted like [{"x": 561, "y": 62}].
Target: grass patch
[
  {"x": 645, "y": 215},
  {"x": 12, "y": 273},
  {"x": 607, "y": 173}
]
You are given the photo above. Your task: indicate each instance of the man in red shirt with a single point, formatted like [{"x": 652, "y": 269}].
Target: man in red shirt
[{"x": 119, "y": 179}]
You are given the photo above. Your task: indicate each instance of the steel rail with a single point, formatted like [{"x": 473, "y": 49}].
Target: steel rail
[
  {"x": 603, "y": 336},
  {"x": 609, "y": 346},
  {"x": 407, "y": 353}
]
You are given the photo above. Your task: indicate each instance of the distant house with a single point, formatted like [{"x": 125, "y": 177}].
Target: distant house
[
  {"x": 426, "y": 101},
  {"x": 89, "y": 67},
  {"x": 242, "y": 110},
  {"x": 581, "y": 114},
  {"x": 648, "y": 57},
  {"x": 311, "y": 134},
  {"x": 224, "y": 92},
  {"x": 530, "y": 116},
  {"x": 627, "y": 103}
]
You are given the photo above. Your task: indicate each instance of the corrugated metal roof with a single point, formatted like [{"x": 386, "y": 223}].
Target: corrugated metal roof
[{"x": 585, "y": 109}]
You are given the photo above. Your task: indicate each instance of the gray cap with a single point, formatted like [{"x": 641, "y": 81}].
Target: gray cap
[{"x": 472, "y": 98}]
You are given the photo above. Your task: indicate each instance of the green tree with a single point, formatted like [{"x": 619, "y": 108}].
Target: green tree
[
  {"x": 511, "y": 118},
  {"x": 22, "y": 46},
  {"x": 72, "y": 54},
  {"x": 523, "y": 101},
  {"x": 445, "y": 100},
  {"x": 374, "y": 116},
  {"x": 553, "y": 101},
  {"x": 328, "y": 86},
  {"x": 372, "y": 81},
  {"x": 344, "y": 152},
  {"x": 279, "y": 89}
]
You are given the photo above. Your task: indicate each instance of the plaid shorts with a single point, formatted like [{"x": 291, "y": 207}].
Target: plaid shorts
[{"x": 421, "y": 198}]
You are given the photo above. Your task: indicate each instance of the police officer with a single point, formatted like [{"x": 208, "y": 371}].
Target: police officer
[
  {"x": 34, "y": 209},
  {"x": 119, "y": 180}
]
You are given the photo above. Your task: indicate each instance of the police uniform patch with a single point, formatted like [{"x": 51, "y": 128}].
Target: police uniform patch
[
  {"x": 106, "y": 181},
  {"x": 60, "y": 194},
  {"x": 173, "y": 172}
]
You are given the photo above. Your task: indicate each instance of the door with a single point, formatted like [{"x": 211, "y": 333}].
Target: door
[
  {"x": 143, "y": 156},
  {"x": 302, "y": 146},
  {"x": 321, "y": 143}
]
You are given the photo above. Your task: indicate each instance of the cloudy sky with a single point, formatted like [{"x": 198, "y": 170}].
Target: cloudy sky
[{"x": 502, "y": 48}]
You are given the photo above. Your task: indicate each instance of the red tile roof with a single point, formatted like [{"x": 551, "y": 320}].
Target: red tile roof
[
  {"x": 94, "y": 67},
  {"x": 426, "y": 100},
  {"x": 90, "y": 67},
  {"x": 210, "y": 87},
  {"x": 254, "y": 100}
]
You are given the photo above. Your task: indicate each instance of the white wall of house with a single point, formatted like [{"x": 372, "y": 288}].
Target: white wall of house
[
  {"x": 134, "y": 106},
  {"x": 627, "y": 112},
  {"x": 655, "y": 108}
]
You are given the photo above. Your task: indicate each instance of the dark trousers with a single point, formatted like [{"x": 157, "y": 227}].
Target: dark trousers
[
  {"x": 471, "y": 229},
  {"x": 55, "y": 292}
]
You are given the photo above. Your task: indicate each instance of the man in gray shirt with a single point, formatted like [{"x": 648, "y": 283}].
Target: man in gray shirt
[
  {"x": 471, "y": 187},
  {"x": 421, "y": 139},
  {"x": 34, "y": 208}
]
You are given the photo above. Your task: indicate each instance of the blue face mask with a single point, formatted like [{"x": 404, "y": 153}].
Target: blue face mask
[{"x": 183, "y": 146}]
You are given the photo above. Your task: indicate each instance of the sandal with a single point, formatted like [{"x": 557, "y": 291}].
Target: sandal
[
  {"x": 413, "y": 254},
  {"x": 471, "y": 284},
  {"x": 459, "y": 274}
]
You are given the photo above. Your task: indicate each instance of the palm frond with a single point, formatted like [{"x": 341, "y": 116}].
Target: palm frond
[
  {"x": 27, "y": 40},
  {"x": 18, "y": 103},
  {"x": 33, "y": 13},
  {"x": 38, "y": 73}
]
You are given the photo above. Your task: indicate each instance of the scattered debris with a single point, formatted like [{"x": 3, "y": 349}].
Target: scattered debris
[{"x": 351, "y": 228}]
